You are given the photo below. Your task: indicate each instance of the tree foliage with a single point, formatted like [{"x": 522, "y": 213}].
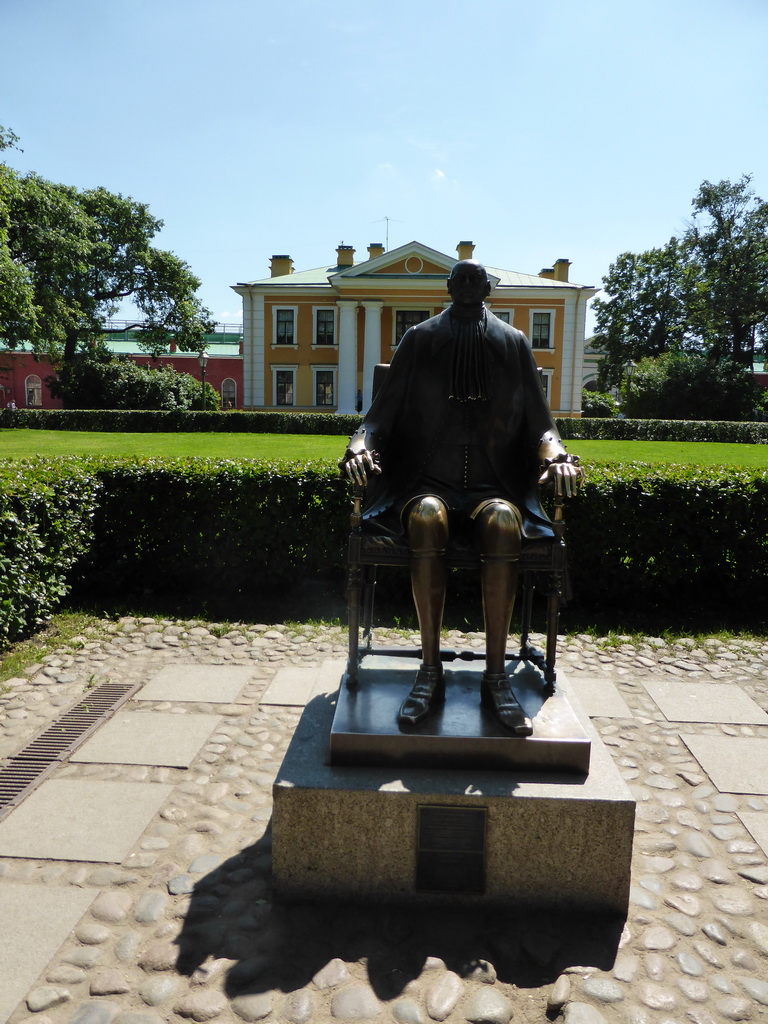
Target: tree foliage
[
  {"x": 690, "y": 386},
  {"x": 599, "y": 404},
  {"x": 102, "y": 381},
  {"x": 706, "y": 291},
  {"x": 70, "y": 257},
  {"x": 727, "y": 245}
]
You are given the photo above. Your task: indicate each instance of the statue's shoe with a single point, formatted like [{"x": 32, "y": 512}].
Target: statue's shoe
[
  {"x": 496, "y": 695},
  {"x": 427, "y": 693}
]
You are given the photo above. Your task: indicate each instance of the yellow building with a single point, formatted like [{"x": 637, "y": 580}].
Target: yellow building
[{"x": 311, "y": 338}]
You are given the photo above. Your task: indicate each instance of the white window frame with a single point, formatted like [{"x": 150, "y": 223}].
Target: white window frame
[
  {"x": 401, "y": 308},
  {"x": 319, "y": 369},
  {"x": 295, "y": 311},
  {"x": 547, "y": 373},
  {"x": 228, "y": 380},
  {"x": 551, "y": 313},
  {"x": 325, "y": 309},
  {"x": 291, "y": 368},
  {"x": 509, "y": 311}
]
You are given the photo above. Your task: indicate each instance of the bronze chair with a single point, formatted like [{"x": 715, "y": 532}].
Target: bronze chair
[{"x": 542, "y": 565}]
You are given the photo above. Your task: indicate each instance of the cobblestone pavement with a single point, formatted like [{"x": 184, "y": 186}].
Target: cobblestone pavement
[{"x": 694, "y": 947}]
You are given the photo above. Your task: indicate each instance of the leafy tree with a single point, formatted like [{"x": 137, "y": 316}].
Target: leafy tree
[
  {"x": 727, "y": 246},
  {"x": 706, "y": 291},
  {"x": 99, "y": 380},
  {"x": 69, "y": 258},
  {"x": 690, "y": 386},
  {"x": 645, "y": 313}
]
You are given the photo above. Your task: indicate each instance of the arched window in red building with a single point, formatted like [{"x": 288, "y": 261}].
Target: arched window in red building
[
  {"x": 33, "y": 389},
  {"x": 228, "y": 393}
]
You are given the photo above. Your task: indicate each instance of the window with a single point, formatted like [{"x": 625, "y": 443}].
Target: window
[
  {"x": 545, "y": 376},
  {"x": 405, "y": 318},
  {"x": 33, "y": 388},
  {"x": 228, "y": 394},
  {"x": 284, "y": 327},
  {"x": 324, "y": 380},
  {"x": 325, "y": 321},
  {"x": 284, "y": 386},
  {"x": 541, "y": 329},
  {"x": 503, "y": 314}
]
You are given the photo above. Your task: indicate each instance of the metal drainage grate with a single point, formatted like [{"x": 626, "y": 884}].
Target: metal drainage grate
[
  {"x": 18, "y": 778},
  {"x": 27, "y": 769}
]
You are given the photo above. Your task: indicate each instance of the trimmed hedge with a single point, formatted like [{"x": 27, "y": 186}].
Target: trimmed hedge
[
  {"x": 46, "y": 528},
  {"x": 149, "y": 421},
  {"x": 594, "y": 429},
  {"x": 669, "y": 538}
]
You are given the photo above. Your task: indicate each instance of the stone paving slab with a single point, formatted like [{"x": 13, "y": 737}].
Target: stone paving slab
[
  {"x": 144, "y": 737},
  {"x": 81, "y": 820},
  {"x": 684, "y": 701},
  {"x": 37, "y": 918},
  {"x": 212, "y": 684},
  {"x": 292, "y": 686},
  {"x": 598, "y": 697},
  {"x": 735, "y": 764}
]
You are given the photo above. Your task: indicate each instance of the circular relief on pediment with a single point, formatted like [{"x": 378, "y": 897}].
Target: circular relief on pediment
[{"x": 414, "y": 265}]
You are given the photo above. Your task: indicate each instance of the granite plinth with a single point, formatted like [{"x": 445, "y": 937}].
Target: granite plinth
[
  {"x": 557, "y": 839},
  {"x": 460, "y": 733}
]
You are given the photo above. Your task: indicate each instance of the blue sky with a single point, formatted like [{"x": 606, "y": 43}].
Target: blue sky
[{"x": 538, "y": 130}]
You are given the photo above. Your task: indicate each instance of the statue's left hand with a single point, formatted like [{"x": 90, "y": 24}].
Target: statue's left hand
[
  {"x": 567, "y": 476},
  {"x": 358, "y": 467}
]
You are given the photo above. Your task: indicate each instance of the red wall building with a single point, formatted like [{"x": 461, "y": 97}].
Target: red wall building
[{"x": 23, "y": 376}]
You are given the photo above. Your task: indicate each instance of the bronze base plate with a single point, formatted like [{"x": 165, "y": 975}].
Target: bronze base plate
[{"x": 460, "y": 734}]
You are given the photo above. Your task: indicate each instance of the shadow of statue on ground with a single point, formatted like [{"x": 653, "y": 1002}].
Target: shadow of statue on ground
[{"x": 282, "y": 946}]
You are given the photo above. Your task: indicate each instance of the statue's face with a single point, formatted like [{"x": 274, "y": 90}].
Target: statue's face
[{"x": 468, "y": 284}]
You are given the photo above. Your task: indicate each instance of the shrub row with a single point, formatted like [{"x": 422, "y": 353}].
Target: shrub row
[
  {"x": 724, "y": 431},
  {"x": 149, "y": 421},
  {"x": 657, "y": 538},
  {"x": 46, "y": 528}
]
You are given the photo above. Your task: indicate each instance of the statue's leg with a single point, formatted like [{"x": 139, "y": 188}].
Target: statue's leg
[
  {"x": 499, "y": 532},
  {"x": 427, "y": 537}
]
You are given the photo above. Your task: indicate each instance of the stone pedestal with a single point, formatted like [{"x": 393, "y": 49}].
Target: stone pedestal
[{"x": 443, "y": 834}]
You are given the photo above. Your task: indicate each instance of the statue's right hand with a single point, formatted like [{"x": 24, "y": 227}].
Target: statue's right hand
[{"x": 357, "y": 467}]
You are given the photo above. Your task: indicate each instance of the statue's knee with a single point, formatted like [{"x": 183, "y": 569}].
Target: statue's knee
[
  {"x": 500, "y": 530},
  {"x": 428, "y": 524}
]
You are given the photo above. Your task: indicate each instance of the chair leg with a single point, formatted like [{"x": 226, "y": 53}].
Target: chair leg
[
  {"x": 354, "y": 585},
  {"x": 369, "y": 593},
  {"x": 554, "y": 600},
  {"x": 527, "y": 605}
]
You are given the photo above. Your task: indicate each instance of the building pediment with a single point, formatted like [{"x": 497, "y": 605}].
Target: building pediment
[{"x": 412, "y": 260}]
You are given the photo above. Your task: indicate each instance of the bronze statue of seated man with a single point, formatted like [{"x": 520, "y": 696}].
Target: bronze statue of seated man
[{"x": 460, "y": 436}]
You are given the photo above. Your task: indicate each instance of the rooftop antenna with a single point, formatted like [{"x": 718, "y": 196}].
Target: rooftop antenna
[{"x": 387, "y": 219}]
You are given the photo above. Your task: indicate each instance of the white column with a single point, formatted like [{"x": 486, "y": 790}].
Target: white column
[
  {"x": 371, "y": 347},
  {"x": 347, "y": 376}
]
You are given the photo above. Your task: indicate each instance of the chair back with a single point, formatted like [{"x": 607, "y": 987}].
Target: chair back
[{"x": 379, "y": 373}]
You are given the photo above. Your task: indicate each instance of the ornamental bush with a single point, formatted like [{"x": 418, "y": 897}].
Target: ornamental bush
[
  {"x": 689, "y": 386},
  {"x": 667, "y": 539},
  {"x": 104, "y": 381},
  {"x": 46, "y": 527},
  {"x": 598, "y": 404}
]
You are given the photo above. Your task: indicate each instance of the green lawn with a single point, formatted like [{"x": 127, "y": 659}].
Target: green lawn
[{"x": 17, "y": 444}]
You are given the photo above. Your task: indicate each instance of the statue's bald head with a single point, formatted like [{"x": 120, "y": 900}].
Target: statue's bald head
[{"x": 468, "y": 282}]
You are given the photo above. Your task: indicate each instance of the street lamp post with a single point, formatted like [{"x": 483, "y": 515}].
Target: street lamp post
[
  {"x": 202, "y": 361},
  {"x": 629, "y": 369}
]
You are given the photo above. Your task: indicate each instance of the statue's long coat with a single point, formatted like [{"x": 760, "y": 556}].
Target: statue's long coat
[{"x": 405, "y": 419}]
